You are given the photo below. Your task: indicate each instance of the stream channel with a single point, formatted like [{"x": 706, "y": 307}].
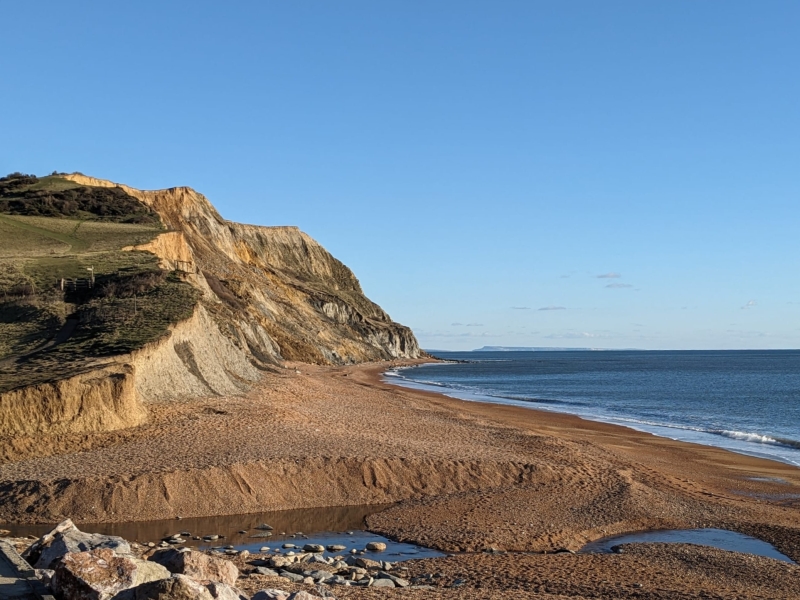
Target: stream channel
[{"x": 342, "y": 525}]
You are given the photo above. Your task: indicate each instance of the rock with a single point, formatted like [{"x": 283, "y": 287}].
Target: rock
[
  {"x": 303, "y": 595},
  {"x": 101, "y": 574},
  {"x": 367, "y": 563},
  {"x": 177, "y": 587},
  {"x": 292, "y": 576},
  {"x": 376, "y": 546},
  {"x": 223, "y": 591},
  {"x": 66, "y": 538},
  {"x": 197, "y": 565},
  {"x": 288, "y": 545},
  {"x": 44, "y": 575},
  {"x": 264, "y": 527},
  {"x": 244, "y": 554},
  {"x": 382, "y": 583},
  {"x": 314, "y": 548},
  {"x": 270, "y": 594},
  {"x": 280, "y": 561},
  {"x": 263, "y": 534},
  {"x": 398, "y": 581},
  {"x": 264, "y": 549},
  {"x": 317, "y": 575},
  {"x": 211, "y": 537},
  {"x": 34, "y": 551},
  {"x": 266, "y": 571},
  {"x": 336, "y": 548}
]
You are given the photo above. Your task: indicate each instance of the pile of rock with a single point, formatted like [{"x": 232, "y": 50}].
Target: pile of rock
[
  {"x": 311, "y": 567},
  {"x": 84, "y": 566}
]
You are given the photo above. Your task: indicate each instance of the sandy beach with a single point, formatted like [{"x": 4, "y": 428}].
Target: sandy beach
[{"x": 467, "y": 477}]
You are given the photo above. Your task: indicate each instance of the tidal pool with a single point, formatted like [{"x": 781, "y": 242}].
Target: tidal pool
[{"x": 717, "y": 538}]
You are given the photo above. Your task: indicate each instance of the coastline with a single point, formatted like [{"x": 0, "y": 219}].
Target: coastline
[
  {"x": 465, "y": 475},
  {"x": 676, "y": 433}
]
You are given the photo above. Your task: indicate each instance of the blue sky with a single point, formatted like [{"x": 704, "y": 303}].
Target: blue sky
[{"x": 562, "y": 173}]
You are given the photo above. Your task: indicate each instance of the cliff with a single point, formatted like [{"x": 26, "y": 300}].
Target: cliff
[
  {"x": 262, "y": 295},
  {"x": 279, "y": 293}
]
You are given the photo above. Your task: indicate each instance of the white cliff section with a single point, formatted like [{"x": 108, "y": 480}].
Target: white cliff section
[{"x": 195, "y": 360}]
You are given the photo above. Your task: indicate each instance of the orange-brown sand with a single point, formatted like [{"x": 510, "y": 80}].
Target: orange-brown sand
[{"x": 468, "y": 476}]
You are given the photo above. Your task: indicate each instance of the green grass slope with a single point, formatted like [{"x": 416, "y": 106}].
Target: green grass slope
[{"x": 47, "y": 333}]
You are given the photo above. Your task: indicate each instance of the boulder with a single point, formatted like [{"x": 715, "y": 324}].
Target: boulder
[
  {"x": 336, "y": 548},
  {"x": 382, "y": 583},
  {"x": 376, "y": 546},
  {"x": 317, "y": 575},
  {"x": 66, "y": 538},
  {"x": 280, "y": 561},
  {"x": 177, "y": 587},
  {"x": 270, "y": 594},
  {"x": 366, "y": 563},
  {"x": 313, "y": 548},
  {"x": 196, "y": 565},
  {"x": 223, "y": 591},
  {"x": 398, "y": 581},
  {"x": 266, "y": 571},
  {"x": 101, "y": 574}
]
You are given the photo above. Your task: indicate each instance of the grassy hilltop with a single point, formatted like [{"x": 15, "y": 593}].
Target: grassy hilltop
[{"x": 52, "y": 228}]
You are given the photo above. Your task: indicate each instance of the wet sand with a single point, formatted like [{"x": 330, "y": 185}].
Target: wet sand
[{"x": 468, "y": 476}]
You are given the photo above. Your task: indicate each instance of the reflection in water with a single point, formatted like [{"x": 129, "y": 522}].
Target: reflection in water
[
  {"x": 306, "y": 520},
  {"x": 341, "y": 525}
]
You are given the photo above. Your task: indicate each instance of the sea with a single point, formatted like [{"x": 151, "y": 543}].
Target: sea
[{"x": 744, "y": 401}]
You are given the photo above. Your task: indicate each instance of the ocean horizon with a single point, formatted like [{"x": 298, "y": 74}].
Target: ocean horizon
[{"x": 747, "y": 401}]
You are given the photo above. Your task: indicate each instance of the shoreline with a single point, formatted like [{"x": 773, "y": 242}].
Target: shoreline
[
  {"x": 463, "y": 477},
  {"x": 488, "y": 399}
]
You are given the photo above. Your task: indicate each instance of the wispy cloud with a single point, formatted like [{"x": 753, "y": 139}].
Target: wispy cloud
[
  {"x": 553, "y": 308},
  {"x": 474, "y": 324},
  {"x": 749, "y": 304},
  {"x": 456, "y": 324},
  {"x": 609, "y": 276},
  {"x": 619, "y": 286},
  {"x": 520, "y": 308}
]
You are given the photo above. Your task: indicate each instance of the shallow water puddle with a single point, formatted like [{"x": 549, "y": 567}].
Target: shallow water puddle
[
  {"x": 717, "y": 538},
  {"x": 342, "y": 525}
]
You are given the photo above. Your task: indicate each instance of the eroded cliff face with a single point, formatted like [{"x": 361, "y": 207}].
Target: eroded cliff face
[{"x": 268, "y": 294}]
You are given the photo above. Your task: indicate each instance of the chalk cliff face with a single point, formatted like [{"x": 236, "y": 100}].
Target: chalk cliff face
[{"x": 268, "y": 294}]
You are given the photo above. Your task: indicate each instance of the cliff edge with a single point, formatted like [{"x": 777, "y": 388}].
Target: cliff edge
[{"x": 245, "y": 299}]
